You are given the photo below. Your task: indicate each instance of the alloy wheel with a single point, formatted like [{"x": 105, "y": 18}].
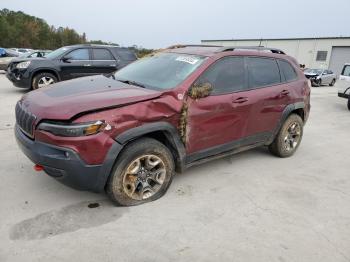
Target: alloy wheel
[
  {"x": 292, "y": 137},
  {"x": 144, "y": 177},
  {"x": 45, "y": 81}
]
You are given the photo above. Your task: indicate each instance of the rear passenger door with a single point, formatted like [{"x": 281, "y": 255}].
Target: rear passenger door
[
  {"x": 329, "y": 76},
  {"x": 269, "y": 95},
  {"x": 103, "y": 61}
]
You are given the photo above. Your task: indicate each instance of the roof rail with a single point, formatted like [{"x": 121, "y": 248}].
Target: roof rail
[
  {"x": 182, "y": 46},
  {"x": 258, "y": 48}
]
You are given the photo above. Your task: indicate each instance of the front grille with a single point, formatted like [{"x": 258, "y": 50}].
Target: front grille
[
  {"x": 25, "y": 119},
  {"x": 309, "y": 76}
]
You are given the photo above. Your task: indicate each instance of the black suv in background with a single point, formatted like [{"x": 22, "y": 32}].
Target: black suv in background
[{"x": 68, "y": 62}]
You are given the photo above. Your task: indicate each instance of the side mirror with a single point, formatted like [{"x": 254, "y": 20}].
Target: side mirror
[
  {"x": 200, "y": 90},
  {"x": 66, "y": 59}
]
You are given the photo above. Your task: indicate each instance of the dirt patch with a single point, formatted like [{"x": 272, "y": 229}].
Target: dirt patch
[{"x": 67, "y": 219}]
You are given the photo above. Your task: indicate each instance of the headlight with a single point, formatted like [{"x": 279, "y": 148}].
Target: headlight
[
  {"x": 23, "y": 65},
  {"x": 73, "y": 130}
]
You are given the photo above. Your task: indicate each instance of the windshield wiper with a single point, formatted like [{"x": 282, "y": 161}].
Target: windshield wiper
[{"x": 130, "y": 82}]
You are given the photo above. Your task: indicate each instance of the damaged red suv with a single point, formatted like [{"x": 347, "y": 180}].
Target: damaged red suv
[{"x": 129, "y": 132}]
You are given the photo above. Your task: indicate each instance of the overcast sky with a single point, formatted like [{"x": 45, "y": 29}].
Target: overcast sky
[{"x": 160, "y": 23}]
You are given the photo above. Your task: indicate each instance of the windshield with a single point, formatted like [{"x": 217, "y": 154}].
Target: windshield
[
  {"x": 314, "y": 71},
  {"x": 161, "y": 71},
  {"x": 57, "y": 53}
]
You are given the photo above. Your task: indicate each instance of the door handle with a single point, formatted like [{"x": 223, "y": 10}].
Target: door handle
[
  {"x": 87, "y": 65},
  {"x": 284, "y": 93},
  {"x": 240, "y": 100}
]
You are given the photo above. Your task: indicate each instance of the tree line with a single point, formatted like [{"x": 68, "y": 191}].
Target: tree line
[{"x": 18, "y": 29}]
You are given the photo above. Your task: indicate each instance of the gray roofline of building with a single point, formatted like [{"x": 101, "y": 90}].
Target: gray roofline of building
[{"x": 277, "y": 39}]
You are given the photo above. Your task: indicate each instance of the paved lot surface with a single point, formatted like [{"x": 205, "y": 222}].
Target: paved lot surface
[{"x": 249, "y": 207}]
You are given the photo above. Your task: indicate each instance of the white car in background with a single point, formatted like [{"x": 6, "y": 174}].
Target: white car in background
[
  {"x": 22, "y": 50},
  {"x": 344, "y": 84}
]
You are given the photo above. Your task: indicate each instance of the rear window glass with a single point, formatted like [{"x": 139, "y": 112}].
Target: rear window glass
[
  {"x": 126, "y": 54},
  {"x": 263, "y": 72},
  {"x": 287, "y": 71},
  {"x": 102, "y": 54},
  {"x": 346, "y": 70}
]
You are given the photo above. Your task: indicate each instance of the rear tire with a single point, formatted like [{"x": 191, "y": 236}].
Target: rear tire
[
  {"x": 142, "y": 173},
  {"x": 332, "y": 83},
  {"x": 43, "y": 79},
  {"x": 288, "y": 138},
  {"x": 349, "y": 103}
]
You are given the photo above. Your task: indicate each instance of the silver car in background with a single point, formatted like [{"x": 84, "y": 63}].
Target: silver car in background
[
  {"x": 319, "y": 77},
  {"x": 12, "y": 55},
  {"x": 7, "y": 57}
]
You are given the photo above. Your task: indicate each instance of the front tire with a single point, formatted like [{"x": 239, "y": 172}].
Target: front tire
[
  {"x": 349, "y": 103},
  {"x": 288, "y": 138},
  {"x": 43, "y": 79},
  {"x": 142, "y": 173}
]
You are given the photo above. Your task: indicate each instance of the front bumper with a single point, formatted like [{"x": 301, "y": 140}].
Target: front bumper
[
  {"x": 344, "y": 93},
  {"x": 65, "y": 165},
  {"x": 19, "y": 78}
]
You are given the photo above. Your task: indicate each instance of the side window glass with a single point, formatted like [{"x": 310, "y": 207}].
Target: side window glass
[
  {"x": 226, "y": 76},
  {"x": 287, "y": 71},
  {"x": 102, "y": 54},
  {"x": 346, "y": 70},
  {"x": 262, "y": 72},
  {"x": 79, "y": 54}
]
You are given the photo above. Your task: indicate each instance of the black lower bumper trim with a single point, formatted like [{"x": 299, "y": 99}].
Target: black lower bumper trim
[
  {"x": 24, "y": 81},
  {"x": 343, "y": 95},
  {"x": 65, "y": 165}
]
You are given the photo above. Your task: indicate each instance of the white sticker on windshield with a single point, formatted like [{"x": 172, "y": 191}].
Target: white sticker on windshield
[{"x": 187, "y": 59}]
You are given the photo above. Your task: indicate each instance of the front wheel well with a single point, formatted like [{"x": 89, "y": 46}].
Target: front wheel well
[
  {"x": 167, "y": 139},
  {"x": 44, "y": 71},
  {"x": 300, "y": 112}
]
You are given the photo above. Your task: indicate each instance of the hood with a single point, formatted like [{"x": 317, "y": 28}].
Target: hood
[
  {"x": 66, "y": 99},
  {"x": 310, "y": 75},
  {"x": 24, "y": 59}
]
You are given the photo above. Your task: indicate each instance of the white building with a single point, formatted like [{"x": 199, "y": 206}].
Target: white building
[{"x": 325, "y": 52}]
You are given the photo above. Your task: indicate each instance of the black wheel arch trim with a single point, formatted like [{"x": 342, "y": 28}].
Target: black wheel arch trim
[
  {"x": 286, "y": 112},
  {"x": 170, "y": 132}
]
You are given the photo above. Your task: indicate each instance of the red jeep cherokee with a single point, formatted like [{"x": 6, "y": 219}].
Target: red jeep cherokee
[{"x": 129, "y": 131}]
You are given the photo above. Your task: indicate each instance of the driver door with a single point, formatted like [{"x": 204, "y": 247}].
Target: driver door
[
  {"x": 217, "y": 122},
  {"x": 76, "y": 63}
]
